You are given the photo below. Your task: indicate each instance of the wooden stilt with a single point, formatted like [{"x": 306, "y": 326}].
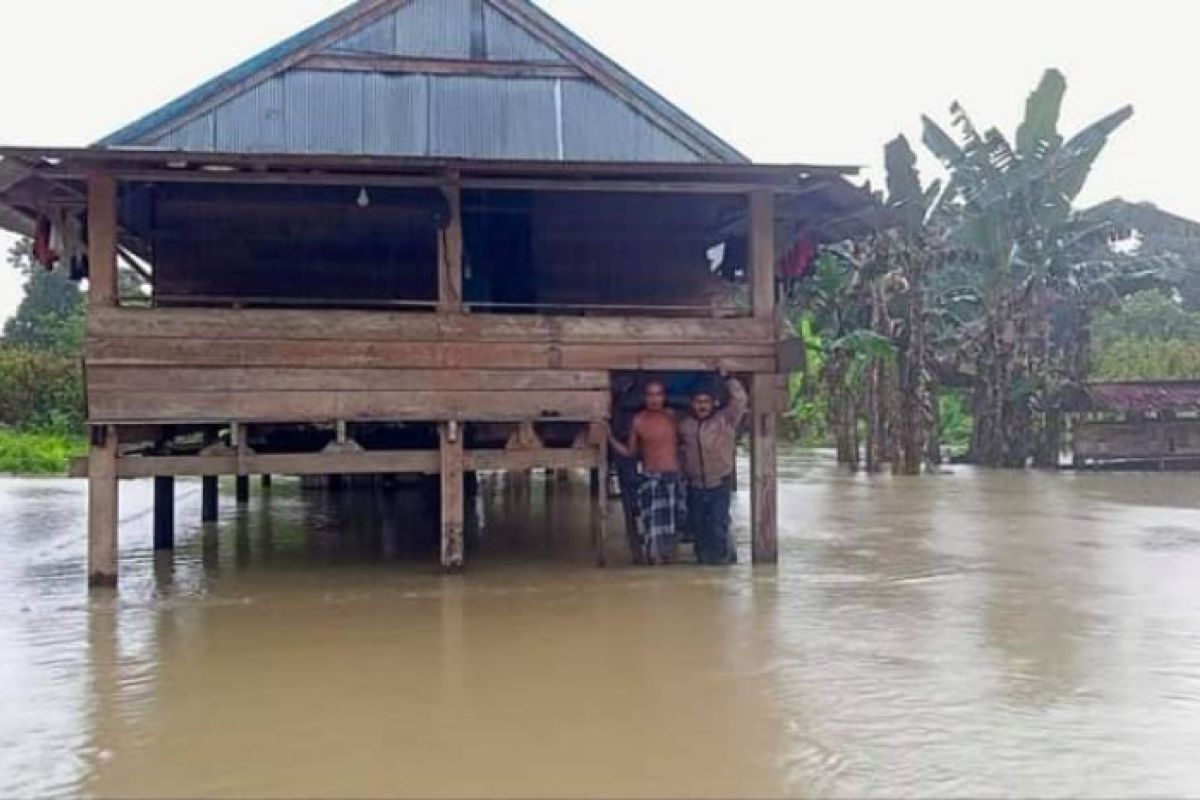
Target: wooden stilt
[
  {"x": 600, "y": 504},
  {"x": 164, "y": 513},
  {"x": 103, "y": 494},
  {"x": 763, "y": 455},
  {"x": 103, "y": 507},
  {"x": 266, "y": 481},
  {"x": 209, "y": 498},
  {"x": 242, "y": 489},
  {"x": 453, "y": 506}
]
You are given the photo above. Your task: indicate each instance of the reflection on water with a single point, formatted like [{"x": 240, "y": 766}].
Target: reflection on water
[{"x": 965, "y": 635}]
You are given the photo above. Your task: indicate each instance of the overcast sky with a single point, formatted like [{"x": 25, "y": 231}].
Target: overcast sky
[{"x": 782, "y": 80}]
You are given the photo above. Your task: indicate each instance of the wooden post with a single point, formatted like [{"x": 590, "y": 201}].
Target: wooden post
[
  {"x": 600, "y": 502},
  {"x": 453, "y": 505},
  {"x": 103, "y": 490},
  {"x": 266, "y": 481},
  {"x": 240, "y": 436},
  {"x": 102, "y": 240},
  {"x": 103, "y": 507},
  {"x": 209, "y": 498},
  {"x": 763, "y": 452},
  {"x": 164, "y": 512},
  {"x": 762, "y": 254},
  {"x": 450, "y": 253}
]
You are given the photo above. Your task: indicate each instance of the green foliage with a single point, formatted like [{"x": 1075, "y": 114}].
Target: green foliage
[
  {"x": 38, "y": 453},
  {"x": 1150, "y": 314},
  {"x": 1134, "y": 358},
  {"x": 954, "y": 421},
  {"x": 51, "y": 314},
  {"x": 40, "y": 390},
  {"x": 41, "y": 377},
  {"x": 1150, "y": 335}
]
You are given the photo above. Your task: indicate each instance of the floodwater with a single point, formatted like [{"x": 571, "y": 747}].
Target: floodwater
[{"x": 969, "y": 634}]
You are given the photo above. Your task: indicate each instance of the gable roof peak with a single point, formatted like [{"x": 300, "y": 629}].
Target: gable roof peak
[{"x": 506, "y": 33}]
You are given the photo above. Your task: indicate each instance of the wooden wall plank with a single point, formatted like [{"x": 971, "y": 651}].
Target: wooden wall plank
[
  {"x": 365, "y": 326},
  {"x": 749, "y": 357},
  {"x": 103, "y": 378}
]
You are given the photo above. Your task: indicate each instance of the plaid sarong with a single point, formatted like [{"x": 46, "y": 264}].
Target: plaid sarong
[{"x": 662, "y": 508}]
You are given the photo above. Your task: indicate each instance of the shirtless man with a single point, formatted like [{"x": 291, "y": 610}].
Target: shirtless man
[{"x": 654, "y": 441}]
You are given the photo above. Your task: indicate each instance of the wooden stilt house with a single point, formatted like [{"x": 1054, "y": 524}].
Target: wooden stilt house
[{"x": 419, "y": 237}]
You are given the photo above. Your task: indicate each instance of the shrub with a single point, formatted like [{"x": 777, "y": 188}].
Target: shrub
[
  {"x": 35, "y": 453},
  {"x": 40, "y": 391}
]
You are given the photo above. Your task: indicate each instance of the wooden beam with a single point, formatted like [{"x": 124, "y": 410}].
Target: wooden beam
[
  {"x": 762, "y": 254},
  {"x": 627, "y": 185},
  {"x": 76, "y": 161},
  {"x": 300, "y": 379},
  {"x": 126, "y": 406},
  {"x": 369, "y": 462},
  {"x": 103, "y": 507},
  {"x": 533, "y": 458},
  {"x": 369, "y": 326},
  {"x": 164, "y": 512},
  {"x": 366, "y": 463},
  {"x": 102, "y": 240},
  {"x": 763, "y": 467},
  {"x": 403, "y": 65},
  {"x": 453, "y": 503},
  {"x": 450, "y": 254},
  {"x": 337, "y": 354}
]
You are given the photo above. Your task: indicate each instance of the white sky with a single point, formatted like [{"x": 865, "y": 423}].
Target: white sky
[{"x": 782, "y": 80}]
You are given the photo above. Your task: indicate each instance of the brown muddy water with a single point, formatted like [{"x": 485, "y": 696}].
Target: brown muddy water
[{"x": 971, "y": 634}]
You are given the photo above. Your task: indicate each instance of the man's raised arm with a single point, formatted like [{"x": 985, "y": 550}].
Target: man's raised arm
[{"x": 739, "y": 401}]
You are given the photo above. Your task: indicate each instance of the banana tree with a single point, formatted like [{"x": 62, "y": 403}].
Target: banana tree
[{"x": 1023, "y": 266}]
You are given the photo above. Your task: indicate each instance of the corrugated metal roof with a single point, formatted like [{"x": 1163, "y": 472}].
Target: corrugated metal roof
[
  {"x": 599, "y": 127},
  {"x": 378, "y": 37},
  {"x": 199, "y": 134},
  {"x": 492, "y": 118},
  {"x": 1141, "y": 396},
  {"x": 434, "y": 28},
  {"x": 324, "y": 112},
  {"x": 507, "y": 41},
  {"x": 396, "y": 115},
  {"x": 259, "y": 120},
  {"x": 253, "y": 122}
]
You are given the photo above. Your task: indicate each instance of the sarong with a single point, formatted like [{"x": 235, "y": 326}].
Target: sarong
[{"x": 662, "y": 509}]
